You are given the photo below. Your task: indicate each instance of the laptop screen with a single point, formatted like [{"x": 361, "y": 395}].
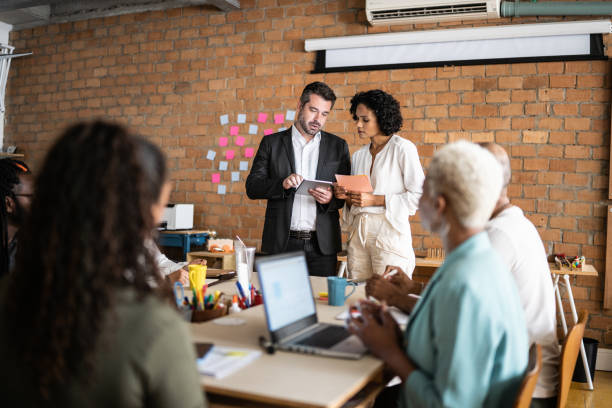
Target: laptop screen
[{"x": 286, "y": 287}]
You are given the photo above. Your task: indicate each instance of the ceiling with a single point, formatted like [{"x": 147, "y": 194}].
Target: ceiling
[{"x": 32, "y": 13}]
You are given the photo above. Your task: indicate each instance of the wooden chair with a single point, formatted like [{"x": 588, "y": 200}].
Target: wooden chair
[
  {"x": 534, "y": 366},
  {"x": 569, "y": 355}
]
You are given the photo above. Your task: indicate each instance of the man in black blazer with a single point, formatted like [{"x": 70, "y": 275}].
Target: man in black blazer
[{"x": 302, "y": 222}]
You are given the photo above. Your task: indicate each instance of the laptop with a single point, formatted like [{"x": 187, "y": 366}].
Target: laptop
[{"x": 291, "y": 314}]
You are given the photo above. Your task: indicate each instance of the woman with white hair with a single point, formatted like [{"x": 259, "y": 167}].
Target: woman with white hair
[{"x": 466, "y": 342}]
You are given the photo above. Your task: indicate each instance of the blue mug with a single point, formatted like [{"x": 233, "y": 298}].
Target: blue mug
[{"x": 336, "y": 288}]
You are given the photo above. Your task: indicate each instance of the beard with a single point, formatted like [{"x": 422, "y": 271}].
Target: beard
[
  {"x": 437, "y": 225},
  {"x": 312, "y": 128}
]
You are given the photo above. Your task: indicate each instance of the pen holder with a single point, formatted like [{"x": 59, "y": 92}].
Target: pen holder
[{"x": 198, "y": 316}]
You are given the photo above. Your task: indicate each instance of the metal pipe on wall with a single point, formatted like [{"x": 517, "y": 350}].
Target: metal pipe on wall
[{"x": 555, "y": 8}]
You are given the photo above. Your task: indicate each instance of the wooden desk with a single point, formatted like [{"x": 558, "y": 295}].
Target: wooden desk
[
  {"x": 587, "y": 270},
  {"x": 287, "y": 379},
  {"x": 183, "y": 238},
  {"x": 419, "y": 262}
]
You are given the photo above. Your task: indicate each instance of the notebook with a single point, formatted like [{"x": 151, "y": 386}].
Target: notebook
[
  {"x": 219, "y": 362},
  {"x": 291, "y": 314}
]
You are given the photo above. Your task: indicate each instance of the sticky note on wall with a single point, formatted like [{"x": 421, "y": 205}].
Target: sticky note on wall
[
  {"x": 244, "y": 166},
  {"x": 222, "y": 165},
  {"x": 229, "y": 155},
  {"x": 279, "y": 118},
  {"x": 211, "y": 155},
  {"x": 221, "y": 189},
  {"x": 248, "y": 152},
  {"x": 290, "y": 115},
  {"x": 235, "y": 176},
  {"x": 240, "y": 141},
  {"x": 241, "y": 118},
  {"x": 234, "y": 130},
  {"x": 223, "y": 141},
  {"x": 268, "y": 131},
  {"x": 224, "y": 119},
  {"x": 262, "y": 117},
  {"x": 216, "y": 177},
  {"x": 253, "y": 129}
]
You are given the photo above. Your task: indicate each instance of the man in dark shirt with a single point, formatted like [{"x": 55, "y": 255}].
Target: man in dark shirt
[{"x": 16, "y": 187}]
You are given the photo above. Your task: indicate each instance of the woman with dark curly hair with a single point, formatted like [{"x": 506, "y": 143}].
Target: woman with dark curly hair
[
  {"x": 377, "y": 222},
  {"x": 80, "y": 324}
]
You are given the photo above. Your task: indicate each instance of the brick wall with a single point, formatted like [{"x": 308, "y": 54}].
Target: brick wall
[{"x": 171, "y": 74}]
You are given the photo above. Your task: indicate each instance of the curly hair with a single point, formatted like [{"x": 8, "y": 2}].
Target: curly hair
[
  {"x": 10, "y": 170},
  {"x": 385, "y": 107},
  {"x": 84, "y": 239}
]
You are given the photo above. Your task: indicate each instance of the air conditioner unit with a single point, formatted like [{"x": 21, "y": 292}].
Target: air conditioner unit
[{"x": 388, "y": 12}]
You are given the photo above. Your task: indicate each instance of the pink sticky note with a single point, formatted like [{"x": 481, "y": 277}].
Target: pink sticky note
[
  {"x": 248, "y": 152},
  {"x": 216, "y": 177},
  {"x": 223, "y": 141},
  {"x": 240, "y": 141},
  {"x": 261, "y": 118},
  {"x": 229, "y": 155},
  {"x": 234, "y": 130},
  {"x": 280, "y": 118},
  {"x": 268, "y": 131}
]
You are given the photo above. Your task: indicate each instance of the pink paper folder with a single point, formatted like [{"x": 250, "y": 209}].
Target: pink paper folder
[{"x": 359, "y": 184}]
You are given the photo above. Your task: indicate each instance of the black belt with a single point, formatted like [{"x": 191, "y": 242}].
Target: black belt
[{"x": 305, "y": 235}]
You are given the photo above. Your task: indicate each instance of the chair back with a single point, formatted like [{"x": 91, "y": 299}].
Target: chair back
[
  {"x": 569, "y": 355},
  {"x": 534, "y": 366}
]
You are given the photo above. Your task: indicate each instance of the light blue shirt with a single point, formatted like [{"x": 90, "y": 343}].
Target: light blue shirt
[{"x": 467, "y": 334}]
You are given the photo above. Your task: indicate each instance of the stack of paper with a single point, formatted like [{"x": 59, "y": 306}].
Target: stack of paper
[{"x": 220, "y": 362}]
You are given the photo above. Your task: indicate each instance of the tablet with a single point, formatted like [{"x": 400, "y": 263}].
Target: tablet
[{"x": 308, "y": 184}]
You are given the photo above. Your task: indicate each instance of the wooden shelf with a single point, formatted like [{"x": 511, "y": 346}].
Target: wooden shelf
[{"x": 4, "y": 155}]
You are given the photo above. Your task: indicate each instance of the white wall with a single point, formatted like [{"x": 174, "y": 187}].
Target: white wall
[{"x": 5, "y": 29}]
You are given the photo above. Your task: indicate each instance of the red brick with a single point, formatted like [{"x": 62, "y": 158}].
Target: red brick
[
  {"x": 577, "y": 152},
  {"x": 582, "y": 209},
  {"x": 566, "y": 223}
]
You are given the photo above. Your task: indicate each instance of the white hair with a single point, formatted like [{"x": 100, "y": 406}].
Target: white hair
[{"x": 470, "y": 178}]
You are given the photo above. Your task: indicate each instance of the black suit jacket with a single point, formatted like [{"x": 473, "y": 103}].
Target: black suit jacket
[{"x": 275, "y": 161}]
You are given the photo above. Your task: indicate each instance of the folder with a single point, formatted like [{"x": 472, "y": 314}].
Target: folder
[{"x": 358, "y": 184}]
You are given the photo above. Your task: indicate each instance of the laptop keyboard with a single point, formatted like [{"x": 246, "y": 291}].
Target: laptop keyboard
[{"x": 325, "y": 338}]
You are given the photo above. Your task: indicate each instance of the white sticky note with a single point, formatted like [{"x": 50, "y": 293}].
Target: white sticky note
[
  {"x": 235, "y": 176},
  {"x": 281, "y": 129},
  {"x": 211, "y": 155},
  {"x": 253, "y": 129},
  {"x": 244, "y": 166},
  {"x": 222, "y": 165},
  {"x": 290, "y": 115},
  {"x": 224, "y": 119},
  {"x": 241, "y": 118},
  {"x": 221, "y": 189}
]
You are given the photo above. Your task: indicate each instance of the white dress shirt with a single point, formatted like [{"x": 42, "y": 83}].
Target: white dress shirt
[
  {"x": 306, "y": 154},
  {"x": 518, "y": 243},
  {"x": 397, "y": 174}
]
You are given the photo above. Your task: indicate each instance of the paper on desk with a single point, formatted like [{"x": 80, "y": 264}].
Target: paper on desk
[
  {"x": 223, "y": 361},
  {"x": 360, "y": 183},
  {"x": 400, "y": 317}
]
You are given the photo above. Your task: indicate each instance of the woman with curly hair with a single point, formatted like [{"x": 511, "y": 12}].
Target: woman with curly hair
[
  {"x": 15, "y": 195},
  {"x": 80, "y": 324},
  {"x": 377, "y": 222}
]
